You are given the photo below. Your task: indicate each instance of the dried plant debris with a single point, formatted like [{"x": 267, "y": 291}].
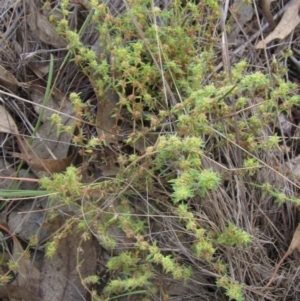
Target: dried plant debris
[
  {"x": 27, "y": 40},
  {"x": 266, "y": 8},
  {"x": 26, "y": 221},
  {"x": 287, "y": 24},
  {"x": 295, "y": 244},
  {"x": 14, "y": 292},
  {"x": 44, "y": 167},
  {"x": 105, "y": 122},
  {"x": 9, "y": 79},
  {"x": 28, "y": 276},
  {"x": 52, "y": 141},
  {"x": 40, "y": 26},
  {"x": 62, "y": 275},
  {"x": 242, "y": 13},
  {"x": 7, "y": 123}
]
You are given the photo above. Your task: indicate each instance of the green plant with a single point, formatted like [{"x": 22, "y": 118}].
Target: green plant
[
  {"x": 177, "y": 114},
  {"x": 233, "y": 236},
  {"x": 233, "y": 290}
]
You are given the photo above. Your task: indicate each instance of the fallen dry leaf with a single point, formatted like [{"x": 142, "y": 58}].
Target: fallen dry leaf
[
  {"x": 49, "y": 150},
  {"x": 8, "y": 78},
  {"x": 287, "y": 24},
  {"x": 45, "y": 167},
  {"x": 243, "y": 13},
  {"x": 40, "y": 166},
  {"x": 7, "y": 124},
  {"x": 60, "y": 280},
  {"x": 27, "y": 220},
  {"x": 49, "y": 143},
  {"x": 39, "y": 69},
  {"x": 41, "y": 27},
  {"x": 17, "y": 292},
  {"x": 50, "y": 147},
  {"x": 28, "y": 275},
  {"x": 104, "y": 121},
  {"x": 58, "y": 101}
]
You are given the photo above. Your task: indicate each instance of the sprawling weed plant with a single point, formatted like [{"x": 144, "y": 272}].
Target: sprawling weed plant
[{"x": 161, "y": 64}]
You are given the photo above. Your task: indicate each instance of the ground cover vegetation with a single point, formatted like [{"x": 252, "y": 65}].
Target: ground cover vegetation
[{"x": 148, "y": 151}]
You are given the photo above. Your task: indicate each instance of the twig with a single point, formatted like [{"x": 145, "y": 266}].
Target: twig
[
  {"x": 265, "y": 5},
  {"x": 288, "y": 253}
]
